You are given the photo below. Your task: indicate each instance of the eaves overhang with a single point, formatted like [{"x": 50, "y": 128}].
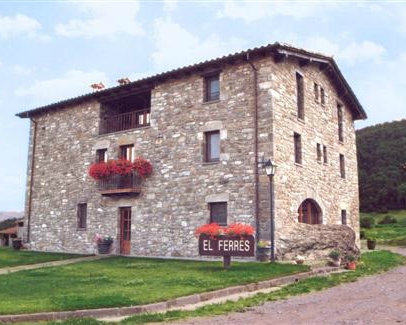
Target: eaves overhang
[{"x": 277, "y": 51}]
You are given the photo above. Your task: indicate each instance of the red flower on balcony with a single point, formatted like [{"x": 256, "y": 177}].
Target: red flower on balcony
[
  {"x": 120, "y": 166},
  {"x": 99, "y": 170},
  {"x": 102, "y": 170},
  {"x": 142, "y": 166}
]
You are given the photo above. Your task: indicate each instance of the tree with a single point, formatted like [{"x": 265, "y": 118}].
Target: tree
[{"x": 382, "y": 166}]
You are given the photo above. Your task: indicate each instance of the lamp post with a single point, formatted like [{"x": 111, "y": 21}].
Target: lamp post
[{"x": 270, "y": 169}]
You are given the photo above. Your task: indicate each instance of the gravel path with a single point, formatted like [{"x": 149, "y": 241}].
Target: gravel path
[{"x": 379, "y": 299}]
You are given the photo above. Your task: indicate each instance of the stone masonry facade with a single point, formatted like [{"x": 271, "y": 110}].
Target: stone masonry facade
[{"x": 257, "y": 106}]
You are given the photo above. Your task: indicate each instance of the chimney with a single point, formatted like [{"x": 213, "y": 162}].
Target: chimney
[
  {"x": 97, "y": 86},
  {"x": 123, "y": 81}
]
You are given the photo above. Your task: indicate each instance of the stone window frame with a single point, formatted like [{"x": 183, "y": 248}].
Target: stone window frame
[
  {"x": 300, "y": 96},
  {"x": 297, "y": 141},
  {"x": 325, "y": 156},
  {"x": 316, "y": 91},
  {"x": 222, "y": 209},
  {"x": 342, "y": 166},
  {"x": 127, "y": 151},
  {"x": 319, "y": 153},
  {"x": 208, "y": 145},
  {"x": 344, "y": 217},
  {"x": 210, "y": 79},
  {"x": 322, "y": 96},
  {"x": 340, "y": 122},
  {"x": 101, "y": 155},
  {"x": 211, "y": 126},
  {"x": 81, "y": 214}
]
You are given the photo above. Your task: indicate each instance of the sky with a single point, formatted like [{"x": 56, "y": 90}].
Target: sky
[{"x": 54, "y": 50}]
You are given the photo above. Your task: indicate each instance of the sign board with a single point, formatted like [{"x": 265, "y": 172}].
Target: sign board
[{"x": 227, "y": 246}]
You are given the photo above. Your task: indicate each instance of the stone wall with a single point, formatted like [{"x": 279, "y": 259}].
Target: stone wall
[
  {"x": 311, "y": 179},
  {"x": 316, "y": 241},
  {"x": 174, "y": 199}
]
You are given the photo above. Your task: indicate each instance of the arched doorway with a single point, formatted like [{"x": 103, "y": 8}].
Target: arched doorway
[{"x": 309, "y": 212}]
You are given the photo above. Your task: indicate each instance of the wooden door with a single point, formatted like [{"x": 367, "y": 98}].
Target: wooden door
[
  {"x": 309, "y": 212},
  {"x": 125, "y": 231}
]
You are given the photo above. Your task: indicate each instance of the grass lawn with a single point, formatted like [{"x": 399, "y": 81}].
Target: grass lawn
[
  {"x": 10, "y": 257},
  {"x": 371, "y": 263},
  {"x": 390, "y": 234},
  {"x": 121, "y": 281}
]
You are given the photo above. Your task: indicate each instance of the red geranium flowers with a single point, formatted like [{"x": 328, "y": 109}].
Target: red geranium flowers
[
  {"x": 234, "y": 230},
  {"x": 103, "y": 169}
]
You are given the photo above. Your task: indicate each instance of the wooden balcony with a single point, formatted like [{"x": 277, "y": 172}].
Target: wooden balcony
[
  {"x": 126, "y": 121},
  {"x": 120, "y": 184}
]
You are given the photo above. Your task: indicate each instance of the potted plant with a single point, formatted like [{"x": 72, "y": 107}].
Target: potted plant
[
  {"x": 351, "y": 262},
  {"x": 371, "y": 243},
  {"x": 17, "y": 243},
  {"x": 263, "y": 250},
  {"x": 103, "y": 243},
  {"x": 335, "y": 256}
]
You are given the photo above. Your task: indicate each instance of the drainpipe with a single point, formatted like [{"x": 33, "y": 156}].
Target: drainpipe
[
  {"x": 255, "y": 82},
  {"x": 34, "y": 138}
]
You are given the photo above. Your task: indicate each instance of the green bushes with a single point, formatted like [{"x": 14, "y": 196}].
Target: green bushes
[
  {"x": 388, "y": 229},
  {"x": 387, "y": 220},
  {"x": 367, "y": 222}
]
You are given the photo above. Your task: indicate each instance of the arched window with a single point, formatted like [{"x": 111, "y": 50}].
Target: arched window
[{"x": 309, "y": 212}]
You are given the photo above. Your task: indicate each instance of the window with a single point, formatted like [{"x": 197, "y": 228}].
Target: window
[
  {"x": 212, "y": 88},
  {"x": 319, "y": 152},
  {"x": 344, "y": 217},
  {"x": 82, "y": 215},
  {"x": 316, "y": 92},
  {"x": 101, "y": 155},
  {"x": 212, "y": 150},
  {"x": 298, "y": 147},
  {"x": 340, "y": 123},
  {"x": 322, "y": 96},
  {"x": 300, "y": 95},
  {"x": 144, "y": 118},
  {"x": 127, "y": 152},
  {"x": 342, "y": 166},
  {"x": 218, "y": 213},
  {"x": 325, "y": 155}
]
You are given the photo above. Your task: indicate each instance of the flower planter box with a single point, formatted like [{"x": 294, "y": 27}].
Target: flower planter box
[
  {"x": 17, "y": 244},
  {"x": 264, "y": 254},
  {"x": 103, "y": 248}
]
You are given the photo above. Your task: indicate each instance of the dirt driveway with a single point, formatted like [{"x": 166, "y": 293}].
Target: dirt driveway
[{"x": 379, "y": 299}]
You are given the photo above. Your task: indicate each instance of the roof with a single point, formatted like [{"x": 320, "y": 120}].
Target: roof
[
  {"x": 9, "y": 231},
  {"x": 277, "y": 51}
]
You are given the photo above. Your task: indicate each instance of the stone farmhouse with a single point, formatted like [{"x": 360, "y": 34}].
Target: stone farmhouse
[{"x": 206, "y": 129}]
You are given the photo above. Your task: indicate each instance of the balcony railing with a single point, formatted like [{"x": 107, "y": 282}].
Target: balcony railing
[
  {"x": 126, "y": 121},
  {"x": 120, "y": 184}
]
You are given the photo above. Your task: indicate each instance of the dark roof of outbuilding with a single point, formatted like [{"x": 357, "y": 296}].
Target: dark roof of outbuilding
[{"x": 277, "y": 50}]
